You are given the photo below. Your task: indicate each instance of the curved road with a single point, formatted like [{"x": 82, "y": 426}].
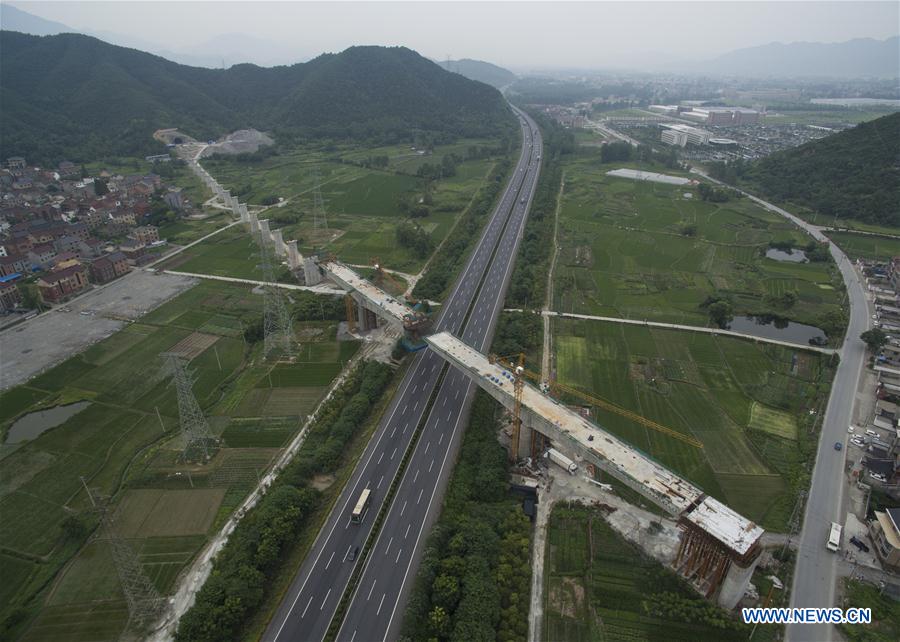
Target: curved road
[
  {"x": 310, "y": 603},
  {"x": 816, "y": 572}
]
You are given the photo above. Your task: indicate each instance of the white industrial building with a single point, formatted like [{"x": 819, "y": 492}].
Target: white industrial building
[{"x": 683, "y": 135}]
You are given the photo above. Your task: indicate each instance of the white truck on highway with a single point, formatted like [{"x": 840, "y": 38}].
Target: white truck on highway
[
  {"x": 561, "y": 460},
  {"x": 834, "y": 538}
]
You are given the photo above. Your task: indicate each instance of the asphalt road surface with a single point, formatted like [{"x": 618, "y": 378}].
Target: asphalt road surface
[
  {"x": 310, "y": 603},
  {"x": 816, "y": 571}
]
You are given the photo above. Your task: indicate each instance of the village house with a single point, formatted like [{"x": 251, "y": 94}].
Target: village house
[
  {"x": 145, "y": 234},
  {"x": 58, "y": 285},
  {"x": 108, "y": 267},
  {"x": 10, "y": 297}
]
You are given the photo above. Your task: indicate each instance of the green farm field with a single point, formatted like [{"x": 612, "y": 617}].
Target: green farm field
[
  {"x": 362, "y": 205},
  {"x": 643, "y": 250},
  {"x": 866, "y": 246},
  {"x": 598, "y": 585},
  {"x": 747, "y": 403},
  {"x": 126, "y": 446}
]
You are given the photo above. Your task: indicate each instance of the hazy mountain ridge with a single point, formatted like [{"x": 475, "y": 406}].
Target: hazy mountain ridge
[
  {"x": 861, "y": 57},
  {"x": 481, "y": 71},
  {"x": 77, "y": 96}
]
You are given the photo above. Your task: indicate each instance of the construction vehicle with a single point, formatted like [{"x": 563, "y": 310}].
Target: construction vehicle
[
  {"x": 555, "y": 388},
  {"x": 561, "y": 460}
]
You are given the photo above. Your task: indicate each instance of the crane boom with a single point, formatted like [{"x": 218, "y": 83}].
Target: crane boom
[{"x": 600, "y": 403}]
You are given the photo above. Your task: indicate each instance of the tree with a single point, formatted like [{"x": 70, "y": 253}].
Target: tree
[
  {"x": 874, "y": 339},
  {"x": 721, "y": 313}
]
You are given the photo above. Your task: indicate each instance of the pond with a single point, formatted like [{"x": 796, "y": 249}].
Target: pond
[
  {"x": 35, "y": 423},
  {"x": 767, "y": 327},
  {"x": 791, "y": 256}
]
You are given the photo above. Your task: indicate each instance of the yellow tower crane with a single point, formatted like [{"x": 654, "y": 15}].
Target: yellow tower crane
[{"x": 519, "y": 371}]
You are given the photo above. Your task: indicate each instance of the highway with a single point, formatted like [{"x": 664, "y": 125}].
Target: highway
[
  {"x": 376, "y": 610},
  {"x": 310, "y": 603},
  {"x": 816, "y": 571}
]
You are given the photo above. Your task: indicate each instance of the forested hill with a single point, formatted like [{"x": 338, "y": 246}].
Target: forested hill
[
  {"x": 854, "y": 174},
  {"x": 481, "y": 71},
  {"x": 76, "y": 97}
]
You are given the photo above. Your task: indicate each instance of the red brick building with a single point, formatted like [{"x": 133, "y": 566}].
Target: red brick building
[
  {"x": 109, "y": 267},
  {"x": 10, "y": 297},
  {"x": 61, "y": 284}
]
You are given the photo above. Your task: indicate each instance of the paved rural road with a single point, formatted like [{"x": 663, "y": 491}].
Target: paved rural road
[
  {"x": 815, "y": 575},
  {"x": 310, "y": 603}
]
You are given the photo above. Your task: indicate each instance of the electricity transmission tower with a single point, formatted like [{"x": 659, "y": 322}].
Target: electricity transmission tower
[
  {"x": 144, "y": 601},
  {"x": 320, "y": 220},
  {"x": 278, "y": 326},
  {"x": 199, "y": 442}
]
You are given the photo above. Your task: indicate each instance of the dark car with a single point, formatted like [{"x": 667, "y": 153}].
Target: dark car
[
  {"x": 352, "y": 556},
  {"x": 838, "y": 445},
  {"x": 858, "y": 543}
]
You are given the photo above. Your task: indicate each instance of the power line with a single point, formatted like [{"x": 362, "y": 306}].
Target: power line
[{"x": 199, "y": 442}]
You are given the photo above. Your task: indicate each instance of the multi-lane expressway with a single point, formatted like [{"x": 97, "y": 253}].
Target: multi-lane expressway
[{"x": 471, "y": 312}]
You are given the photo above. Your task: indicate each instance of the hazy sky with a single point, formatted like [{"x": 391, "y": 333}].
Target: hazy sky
[{"x": 519, "y": 35}]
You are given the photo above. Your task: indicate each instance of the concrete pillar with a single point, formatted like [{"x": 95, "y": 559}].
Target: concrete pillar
[
  {"x": 245, "y": 215},
  {"x": 264, "y": 231},
  {"x": 278, "y": 240},
  {"x": 313, "y": 276},
  {"x": 735, "y": 584},
  {"x": 525, "y": 433},
  {"x": 293, "y": 255},
  {"x": 254, "y": 223}
]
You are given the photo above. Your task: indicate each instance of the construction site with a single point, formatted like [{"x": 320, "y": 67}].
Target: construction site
[{"x": 717, "y": 550}]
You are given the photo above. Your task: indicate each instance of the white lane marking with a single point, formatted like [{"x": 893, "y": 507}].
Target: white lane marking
[
  {"x": 427, "y": 446},
  {"x": 393, "y": 453},
  {"x": 449, "y": 416},
  {"x": 378, "y": 612},
  {"x": 416, "y": 406},
  {"x": 407, "y": 531},
  {"x": 353, "y": 636},
  {"x": 325, "y": 600},
  {"x": 307, "y": 606},
  {"x": 430, "y": 465},
  {"x": 457, "y": 396},
  {"x": 445, "y": 402},
  {"x": 381, "y": 479},
  {"x": 393, "y": 432},
  {"x": 374, "y": 582},
  {"x": 347, "y": 500},
  {"x": 440, "y": 439},
  {"x": 388, "y": 548},
  {"x": 417, "y": 476},
  {"x": 380, "y": 457},
  {"x": 421, "y": 490},
  {"x": 405, "y": 406},
  {"x": 347, "y": 525},
  {"x": 329, "y": 560},
  {"x": 402, "y": 509},
  {"x": 405, "y": 427},
  {"x": 397, "y": 559},
  {"x": 347, "y": 553}
]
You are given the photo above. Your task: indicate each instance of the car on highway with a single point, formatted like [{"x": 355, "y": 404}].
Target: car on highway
[
  {"x": 352, "y": 555},
  {"x": 838, "y": 445}
]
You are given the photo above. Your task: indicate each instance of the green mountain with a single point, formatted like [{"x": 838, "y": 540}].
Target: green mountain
[
  {"x": 77, "y": 97},
  {"x": 481, "y": 71},
  {"x": 853, "y": 174}
]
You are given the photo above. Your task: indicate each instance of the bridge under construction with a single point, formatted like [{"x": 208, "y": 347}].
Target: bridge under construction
[{"x": 719, "y": 548}]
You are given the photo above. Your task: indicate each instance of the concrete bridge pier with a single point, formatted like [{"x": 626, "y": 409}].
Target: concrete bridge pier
[
  {"x": 278, "y": 239},
  {"x": 264, "y": 231},
  {"x": 312, "y": 275},
  {"x": 293, "y": 255}
]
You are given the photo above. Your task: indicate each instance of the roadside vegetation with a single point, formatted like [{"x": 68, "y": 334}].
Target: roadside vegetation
[
  {"x": 885, "y": 624},
  {"x": 126, "y": 446},
  {"x": 474, "y": 579}
]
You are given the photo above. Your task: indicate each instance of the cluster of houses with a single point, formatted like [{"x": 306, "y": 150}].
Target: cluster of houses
[
  {"x": 63, "y": 231},
  {"x": 880, "y": 438}
]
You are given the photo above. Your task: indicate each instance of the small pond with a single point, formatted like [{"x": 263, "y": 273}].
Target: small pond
[
  {"x": 791, "y": 256},
  {"x": 35, "y": 423},
  {"x": 770, "y": 328}
]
